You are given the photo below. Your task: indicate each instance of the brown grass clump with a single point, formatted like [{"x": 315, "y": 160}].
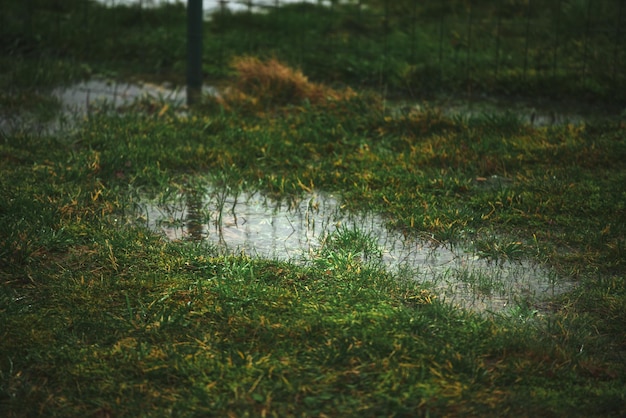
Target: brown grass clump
[{"x": 267, "y": 84}]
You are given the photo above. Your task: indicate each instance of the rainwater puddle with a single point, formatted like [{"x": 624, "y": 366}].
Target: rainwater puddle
[
  {"x": 297, "y": 231},
  {"x": 211, "y": 6},
  {"x": 526, "y": 111},
  {"x": 81, "y": 98}
]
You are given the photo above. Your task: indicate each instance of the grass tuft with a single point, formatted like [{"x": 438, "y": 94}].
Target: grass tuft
[{"x": 268, "y": 84}]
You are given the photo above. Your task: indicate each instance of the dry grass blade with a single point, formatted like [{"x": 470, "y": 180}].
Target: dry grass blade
[{"x": 262, "y": 84}]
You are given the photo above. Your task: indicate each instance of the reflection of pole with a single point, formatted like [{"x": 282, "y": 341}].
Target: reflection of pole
[
  {"x": 194, "y": 50},
  {"x": 193, "y": 222},
  {"x": 219, "y": 226}
]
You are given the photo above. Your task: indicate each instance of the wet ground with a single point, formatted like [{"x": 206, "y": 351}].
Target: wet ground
[
  {"x": 211, "y": 6},
  {"x": 297, "y": 231},
  {"x": 79, "y": 100}
]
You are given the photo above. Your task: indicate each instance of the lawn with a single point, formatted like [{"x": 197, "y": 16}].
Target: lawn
[{"x": 102, "y": 316}]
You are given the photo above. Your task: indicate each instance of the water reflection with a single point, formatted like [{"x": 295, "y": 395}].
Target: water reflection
[
  {"x": 211, "y": 6},
  {"x": 298, "y": 230},
  {"x": 193, "y": 225},
  {"x": 81, "y": 98}
]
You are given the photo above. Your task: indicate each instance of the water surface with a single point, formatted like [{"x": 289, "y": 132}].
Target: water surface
[
  {"x": 211, "y": 6},
  {"x": 296, "y": 231}
]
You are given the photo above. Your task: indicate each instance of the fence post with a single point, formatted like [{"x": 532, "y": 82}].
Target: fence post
[
  {"x": 616, "y": 45},
  {"x": 194, "y": 50}
]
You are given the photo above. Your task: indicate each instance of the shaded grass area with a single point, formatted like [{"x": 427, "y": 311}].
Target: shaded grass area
[{"x": 100, "y": 319}]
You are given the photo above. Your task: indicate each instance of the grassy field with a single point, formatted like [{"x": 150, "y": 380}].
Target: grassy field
[
  {"x": 544, "y": 49},
  {"x": 100, "y": 316}
]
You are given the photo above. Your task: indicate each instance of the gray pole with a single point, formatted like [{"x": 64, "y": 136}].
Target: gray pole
[{"x": 194, "y": 50}]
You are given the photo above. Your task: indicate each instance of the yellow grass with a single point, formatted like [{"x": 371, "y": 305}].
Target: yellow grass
[{"x": 265, "y": 84}]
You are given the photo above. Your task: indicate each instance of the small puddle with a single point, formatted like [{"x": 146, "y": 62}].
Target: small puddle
[
  {"x": 525, "y": 111},
  {"x": 211, "y": 6},
  {"x": 297, "y": 231},
  {"x": 81, "y": 98}
]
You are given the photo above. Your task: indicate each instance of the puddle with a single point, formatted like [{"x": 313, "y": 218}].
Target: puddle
[
  {"x": 298, "y": 231},
  {"x": 534, "y": 113},
  {"x": 80, "y": 98},
  {"x": 211, "y": 6}
]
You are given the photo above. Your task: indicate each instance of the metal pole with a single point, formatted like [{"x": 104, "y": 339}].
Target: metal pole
[
  {"x": 468, "y": 62},
  {"x": 194, "y": 50},
  {"x": 527, "y": 45}
]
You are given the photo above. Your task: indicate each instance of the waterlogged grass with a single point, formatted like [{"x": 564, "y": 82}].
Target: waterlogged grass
[
  {"x": 101, "y": 317},
  {"x": 104, "y": 318},
  {"x": 428, "y": 172}
]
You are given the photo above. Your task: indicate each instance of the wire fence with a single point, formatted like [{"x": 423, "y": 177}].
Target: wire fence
[
  {"x": 559, "y": 47},
  {"x": 551, "y": 45}
]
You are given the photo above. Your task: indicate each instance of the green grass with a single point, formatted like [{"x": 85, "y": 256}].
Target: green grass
[
  {"x": 105, "y": 318},
  {"x": 99, "y": 318},
  {"x": 553, "y": 49}
]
